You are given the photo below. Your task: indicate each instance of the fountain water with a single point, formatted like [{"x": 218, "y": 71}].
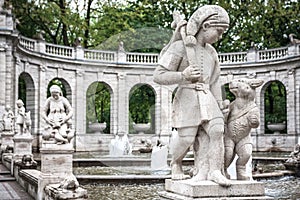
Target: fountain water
[{"x": 120, "y": 145}]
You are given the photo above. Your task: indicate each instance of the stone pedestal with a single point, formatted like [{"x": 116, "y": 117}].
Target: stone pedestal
[
  {"x": 56, "y": 166},
  {"x": 7, "y": 140},
  {"x": 188, "y": 189},
  {"x": 22, "y": 146},
  {"x": 57, "y": 159}
]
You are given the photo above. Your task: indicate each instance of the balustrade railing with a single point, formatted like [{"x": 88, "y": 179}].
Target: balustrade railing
[
  {"x": 100, "y": 55},
  {"x": 41, "y": 46},
  {"x": 145, "y": 58},
  {"x": 228, "y": 58},
  {"x": 60, "y": 51},
  {"x": 27, "y": 43},
  {"x": 272, "y": 54}
]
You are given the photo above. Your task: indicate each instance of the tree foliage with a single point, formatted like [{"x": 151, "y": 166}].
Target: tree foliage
[
  {"x": 275, "y": 103},
  {"x": 141, "y": 99},
  {"x": 98, "y": 104},
  {"x": 266, "y": 23}
]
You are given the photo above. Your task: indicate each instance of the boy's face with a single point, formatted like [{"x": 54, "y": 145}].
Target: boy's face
[
  {"x": 213, "y": 34},
  {"x": 55, "y": 95}
]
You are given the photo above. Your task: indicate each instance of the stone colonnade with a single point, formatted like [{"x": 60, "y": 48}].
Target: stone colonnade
[{"x": 38, "y": 62}]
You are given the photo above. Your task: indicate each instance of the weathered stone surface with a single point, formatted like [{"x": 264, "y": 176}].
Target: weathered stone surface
[
  {"x": 22, "y": 144},
  {"x": 54, "y": 191},
  {"x": 209, "y": 189},
  {"x": 58, "y": 162}
]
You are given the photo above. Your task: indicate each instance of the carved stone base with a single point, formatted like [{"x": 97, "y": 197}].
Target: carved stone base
[
  {"x": 22, "y": 146},
  {"x": 7, "y": 140},
  {"x": 187, "y": 190},
  {"x": 53, "y": 191},
  {"x": 57, "y": 159}
]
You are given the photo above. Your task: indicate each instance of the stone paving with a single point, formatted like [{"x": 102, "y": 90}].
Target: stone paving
[{"x": 11, "y": 189}]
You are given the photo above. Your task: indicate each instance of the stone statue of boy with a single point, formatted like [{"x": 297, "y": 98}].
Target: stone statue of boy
[{"x": 190, "y": 61}]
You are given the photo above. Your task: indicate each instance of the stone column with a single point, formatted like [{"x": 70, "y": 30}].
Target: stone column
[
  {"x": 165, "y": 107},
  {"x": 3, "y": 69},
  {"x": 80, "y": 112},
  {"x": 42, "y": 98},
  {"x": 291, "y": 102},
  {"x": 122, "y": 103}
]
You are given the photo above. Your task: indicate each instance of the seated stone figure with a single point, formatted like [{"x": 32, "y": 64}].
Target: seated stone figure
[
  {"x": 243, "y": 115},
  {"x": 57, "y": 113},
  {"x": 8, "y": 119}
]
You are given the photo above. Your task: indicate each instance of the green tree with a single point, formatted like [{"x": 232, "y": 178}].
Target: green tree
[
  {"x": 98, "y": 104},
  {"x": 142, "y": 98},
  {"x": 54, "y": 19},
  {"x": 266, "y": 23},
  {"x": 275, "y": 103}
]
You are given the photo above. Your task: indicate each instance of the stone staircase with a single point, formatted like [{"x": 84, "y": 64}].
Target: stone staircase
[{"x": 5, "y": 174}]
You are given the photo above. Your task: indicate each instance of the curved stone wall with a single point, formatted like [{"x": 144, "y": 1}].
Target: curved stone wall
[{"x": 38, "y": 62}]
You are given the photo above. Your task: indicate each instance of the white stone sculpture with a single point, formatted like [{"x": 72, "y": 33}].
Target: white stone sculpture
[
  {"x": 120, "y": 145},
  {"x": 295, "y": 155},
  {"x": 242, "y": 117},
  {"x": 57, "y": 113},
  {"x": 23, "y": 119},
  {"x": 191, "y": 61},
  {"x": 8, "y": 119}
]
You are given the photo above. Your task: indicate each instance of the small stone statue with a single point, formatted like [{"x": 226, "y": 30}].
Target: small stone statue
[
  {"x": 57, "y": 113},
  {"x": 295, "y": 155},
  {"x": 27, "y": 160},
  {"x": 23, "y": 119},
  {"x": 243, "y": 115},
  {"x": 293, "y": 40},
  {"x": 8, "y": 119},
  {"x": 191, "y": 61},
  {"x": 121, "y": 47},
  {"x": 69, "y": 183}
]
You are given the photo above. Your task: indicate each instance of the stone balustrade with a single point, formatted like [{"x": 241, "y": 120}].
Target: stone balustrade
[{"x": 40, "y": 46}]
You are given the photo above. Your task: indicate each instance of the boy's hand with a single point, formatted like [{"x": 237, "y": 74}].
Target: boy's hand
[{"x": 191, "y": 73}]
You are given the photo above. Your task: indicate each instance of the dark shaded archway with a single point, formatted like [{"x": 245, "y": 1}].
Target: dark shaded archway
[
  {"x": 275, "y": 107},
  {"x": 142, "y": 106},
  {"x": 98, "y": 105}
]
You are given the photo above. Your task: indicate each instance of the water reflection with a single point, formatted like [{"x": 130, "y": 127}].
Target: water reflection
[
  {"x": 281, "y": 189},
  {"x": 124, "y": 191},
  {"x": 284, "y": 188}
]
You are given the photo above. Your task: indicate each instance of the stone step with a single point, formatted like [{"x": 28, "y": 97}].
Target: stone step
[
  {"x": 4, "y": 172},
  {"x": 7, "y": 178}
]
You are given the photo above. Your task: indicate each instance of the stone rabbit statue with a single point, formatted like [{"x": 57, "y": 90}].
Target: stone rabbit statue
[{"x": 243, "y": 115}]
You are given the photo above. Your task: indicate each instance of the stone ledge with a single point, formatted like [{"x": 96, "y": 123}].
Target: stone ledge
[
  {"x": 172, "y": 196},
  {"x": 208, "y": 189}
]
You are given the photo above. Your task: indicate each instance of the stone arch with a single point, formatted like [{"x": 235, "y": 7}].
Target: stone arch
[
  {"x": 143, "y": 109},
  {"x": 105, "y": 96},
  {"x": 26, "y": 92},
  {"x": 273, "y": 104}
]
